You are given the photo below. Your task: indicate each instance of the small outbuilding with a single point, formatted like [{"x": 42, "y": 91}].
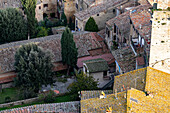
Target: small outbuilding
[{"x": 98, "y": 68}]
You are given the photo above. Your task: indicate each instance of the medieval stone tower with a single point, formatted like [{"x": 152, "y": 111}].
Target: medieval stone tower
[{"x": 69, "y": 8}]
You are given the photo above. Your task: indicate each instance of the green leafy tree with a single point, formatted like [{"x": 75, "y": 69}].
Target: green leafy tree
[
  {"x": 29, "y": 9},
  {"x": 13, "y": 27},
  {"x": 33, "y": 66},
  {"x": 83, "y": 82},
  {"x": 42, "y": 31},
  {"x": 68, "y": 49},
  {"x": 63, "y": 20},
  {"x": 91, "y": 25}
]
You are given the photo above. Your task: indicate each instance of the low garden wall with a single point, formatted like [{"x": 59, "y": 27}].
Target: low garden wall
[{"x": 27, "y": 101}]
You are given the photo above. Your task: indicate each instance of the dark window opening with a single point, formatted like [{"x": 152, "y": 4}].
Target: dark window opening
[
  {"x": 76, "y": 22},
  {"x": 76, "y": 5},
  {"x": 52, "y": 15},
  {"x": 114, "y": 29},
  {"x": 45, "y": 5},
  {"x": 85, "y": 69},
  {"x": 104, "y": 73},
  {"x": 45, "y": 15},
  {"x": 114, "y": 38},
  {"x": 113, "y": 10},
  {"x": 97, "y": 14},
  {"x": 39, "y": 7},
  {"x": 124, "y": 41}
]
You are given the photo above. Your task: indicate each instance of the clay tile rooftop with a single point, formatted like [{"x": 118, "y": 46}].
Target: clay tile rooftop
[
  {"x": 84, "y": 41},
  {"x": 97, "y": 9},
  {"x": 10, "y": 3},
  {"x": 125, "y": 58},
  {"x": 141, "y": 21},
  {"x": 122, "y": 21}
]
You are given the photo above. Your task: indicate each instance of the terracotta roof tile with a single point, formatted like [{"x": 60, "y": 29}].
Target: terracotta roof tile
[
  {"x": 125, "y": 58},
  {"x": 122, "y": 21},
  {"x": 141, "y": 21},
  {"x": 84, "y": 42},
  {"x": 96, "y": 9}
]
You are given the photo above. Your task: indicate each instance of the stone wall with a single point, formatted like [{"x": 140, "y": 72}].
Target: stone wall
[
  {"x": 134, "y": 79},
  {"x": 7, "y": 85},
  {"x": 94, "y": 94},
  {"x": 160, "y": 41},
  {"x": 27, "y": 101},
  {"x": 158, "y": 84},
  {"x": 138, "y": 102},
  {"x": 65, "y": 107}
]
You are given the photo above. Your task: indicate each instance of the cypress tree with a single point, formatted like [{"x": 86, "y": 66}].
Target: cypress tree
[
  {"x": 13, "y": 26},
  {"x": 91, "y": 25},
  {"x": 68, "y": 49},
  {"x": 29, "y": 9},
  {"x": 63, "y": 19}
]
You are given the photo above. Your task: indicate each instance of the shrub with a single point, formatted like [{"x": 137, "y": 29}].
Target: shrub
[
  {"x": 7, "y": 99},
  {"x": 42, "y": 31},
  {"x": 50, "y": 97},
  {"x": 64, "y": 80},
  {"x": 27, "y": 93}
]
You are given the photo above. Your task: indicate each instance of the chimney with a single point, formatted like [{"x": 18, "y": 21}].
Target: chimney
[
  {"x": 130, "y": 12},
  {"x": 140, "y": 26}
]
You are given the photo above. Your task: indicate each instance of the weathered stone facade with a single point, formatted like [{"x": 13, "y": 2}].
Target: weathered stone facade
[
  {"x": 69, "y": 9},
  {"x": 10, "y": 3},
  {"x": 134, "y": 79},
  {"x": 101, "y": 13},
  {"x": 160, "y": 41},
  {"x": 46, "y": 8},
  {"x": 161, "y": 4}
]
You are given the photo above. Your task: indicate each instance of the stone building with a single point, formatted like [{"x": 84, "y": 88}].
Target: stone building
[
  {"x": 46, "y": 8},
  {"x": 100, "y": 12},
  {"x": 69, "y": 9},
  {"x": 160, "y": 41},
  {"x": 125, "y": 60},
  {"x": 10, "y": 3},
  {"x": 160, "y": 4},
  {"x": 118, "y": 29},
  {"x": 84, "y": 4},
  {"x": 144, "y": 90},
  {"x": 140, "y": 30},
  {"x": 99, "y": 69},
  {"x": 88, "y": 44}
]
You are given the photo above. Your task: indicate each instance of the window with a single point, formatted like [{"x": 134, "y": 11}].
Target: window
[
  {"x": 45, "y": 15},
  {"x": 76, "y": 5},
  {"x": 104, "y": 73},
  {"x": 45, "y": 5},
  {"x": 108, "y": 33},
  {"x": 39, "y": 7},
  {"x": 113, "y": 10},
  {"x": 52, "y": 15},
  {"x": 76, "y": 22},
  {"x": 97, "y": 14}
]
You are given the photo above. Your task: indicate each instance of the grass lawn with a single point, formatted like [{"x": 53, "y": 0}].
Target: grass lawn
[
  {"x": 9, "y": 92},
  {"x": 63, "y": 98}
]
